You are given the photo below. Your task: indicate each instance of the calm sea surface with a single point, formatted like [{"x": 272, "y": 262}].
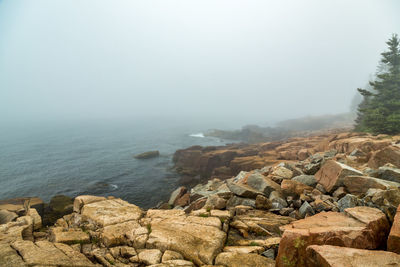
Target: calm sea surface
[{"x": 47, "y": 159}]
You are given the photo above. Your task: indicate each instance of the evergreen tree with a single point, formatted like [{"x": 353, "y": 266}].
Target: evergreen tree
[{"x": 379, "y": 112}]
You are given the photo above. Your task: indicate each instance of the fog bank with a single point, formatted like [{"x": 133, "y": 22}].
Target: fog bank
[{"x": 243, "y": 61}]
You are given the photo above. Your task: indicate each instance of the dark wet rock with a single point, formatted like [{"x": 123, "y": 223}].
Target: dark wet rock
[
  {"x": 59, "y": 206},
  {"x": 147, "y": 155}
]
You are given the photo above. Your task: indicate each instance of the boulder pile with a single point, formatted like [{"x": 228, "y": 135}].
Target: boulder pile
[{"x": 338, "y": 206}]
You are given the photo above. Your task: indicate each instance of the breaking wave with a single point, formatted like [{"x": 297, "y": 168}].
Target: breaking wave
[{"x": 200, "y": 135}]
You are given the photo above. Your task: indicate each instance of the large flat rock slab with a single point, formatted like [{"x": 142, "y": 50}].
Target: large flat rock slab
[
  {"x": 359, "y": 227},
  {"x": 110, "y": 211},
  {"x": 199, "y": 239},
  {"x": 45, "y": 253},
  {"x": 333, "y": 256}
]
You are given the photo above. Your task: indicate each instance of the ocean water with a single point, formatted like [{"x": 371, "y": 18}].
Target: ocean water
[{"x": 95, "y": 157}]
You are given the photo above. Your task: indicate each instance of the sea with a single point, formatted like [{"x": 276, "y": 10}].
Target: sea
[{"x": 72, "y": 158}]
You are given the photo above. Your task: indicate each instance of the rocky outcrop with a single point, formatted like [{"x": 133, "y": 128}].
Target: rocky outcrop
[
  {"x": 312, "y": 201},
  {"x": 198, "y": 160},
  {"x": 227, "y": 161}
]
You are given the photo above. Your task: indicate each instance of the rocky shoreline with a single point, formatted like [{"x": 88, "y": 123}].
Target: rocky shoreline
[{"x": 324, "y": 200}]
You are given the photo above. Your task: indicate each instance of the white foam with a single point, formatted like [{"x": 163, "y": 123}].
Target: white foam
[
  {"x": 114, "y": 186},
  {"x": 200, "y": 135}
]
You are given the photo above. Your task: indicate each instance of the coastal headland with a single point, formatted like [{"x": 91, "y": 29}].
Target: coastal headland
[{"x": 330, "y": 199}]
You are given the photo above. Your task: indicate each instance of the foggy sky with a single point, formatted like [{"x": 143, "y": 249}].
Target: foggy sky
[{"x": 245, "y": 61}]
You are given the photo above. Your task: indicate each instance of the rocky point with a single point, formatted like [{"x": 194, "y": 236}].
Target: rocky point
[{"x": 325, "y": 200}]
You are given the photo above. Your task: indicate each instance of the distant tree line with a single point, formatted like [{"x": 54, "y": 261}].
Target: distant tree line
[{"x": 379, "y": 111}]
